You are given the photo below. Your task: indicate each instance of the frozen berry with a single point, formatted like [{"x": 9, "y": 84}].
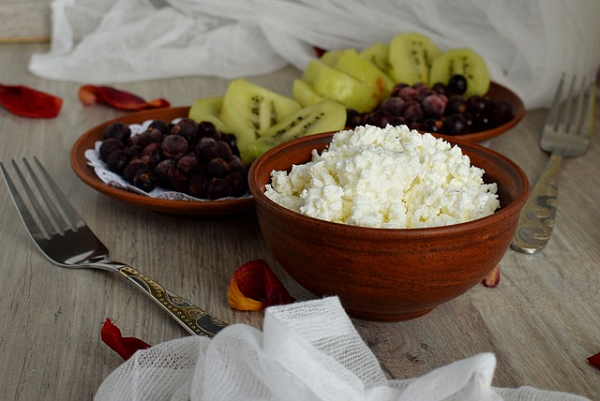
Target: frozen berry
[
  {"x": 208, "y": 129},
  {"x": 393, "y": 105},
  {"x": 188, "y": 164},
  {"x": 177, "y": 179},
  {"x": 353, "y": 118},
  {"x": 144, "y": 180},
  {"x": 108, "y": 146},
  {"x": 217, "y": 167},
  {"x": 218, "y": 188},
  {"x": 238, "y": 183},
  {"x": 161, "y": 172},
  {"x": 117, "y": 160},
  {"x": 118, "y": 131},
  {"x": 455, "y": 125},
  {"x": 187, "y": 128},
  {"x": 434, "y": 105},
  {"x": 147, "y": 137},
  {"x": 132, "y": 167},
  {"x": 174, "y": 146},
  {"x": 197, "y": 185},
  {"x": 152, "y": 153},
  {"x": 162, "y": 126}
]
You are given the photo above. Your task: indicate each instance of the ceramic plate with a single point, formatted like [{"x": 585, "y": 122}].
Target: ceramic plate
[{"x": 178, "y": 207}]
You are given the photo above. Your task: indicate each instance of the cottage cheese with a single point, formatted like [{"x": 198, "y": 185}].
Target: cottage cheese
[{"x": 386, "y": 178}]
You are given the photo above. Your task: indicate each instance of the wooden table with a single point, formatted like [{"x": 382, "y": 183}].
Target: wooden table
[{"x": 542, "y": 322}]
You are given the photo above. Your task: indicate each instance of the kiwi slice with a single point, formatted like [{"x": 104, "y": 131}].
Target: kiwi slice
[
  {"x": 248, "y": 110},
  {"x": 208, "y": 109},
  {"x": 324, "y": 116},
  {"x": 464, "y": 62},
  {"x": 304, "y": 94},
  {"x": 336, "y": 85},
  {"x": 410, "y": 57},
  {"x": 365, "y": 71},
  {"x": 331, "y": 57},
  {"x": 378, "y": 55}
]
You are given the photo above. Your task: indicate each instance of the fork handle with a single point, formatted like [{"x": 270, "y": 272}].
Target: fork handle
[
  {"x": 195, "y": 320},
  {"x": 537, "y": 216}
]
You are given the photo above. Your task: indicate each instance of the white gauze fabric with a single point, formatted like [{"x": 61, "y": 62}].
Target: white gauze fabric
[
  {"x": 527, "y": 44},
  {"x": 307, "y": 351}
]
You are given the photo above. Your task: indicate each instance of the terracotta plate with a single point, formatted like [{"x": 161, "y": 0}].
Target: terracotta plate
[
  {"x": 178, "y": 207},
  {"x": 499, "y": 92}
]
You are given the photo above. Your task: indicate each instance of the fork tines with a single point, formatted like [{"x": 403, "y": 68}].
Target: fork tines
[
  {"x": 43, "y": 207},
  {"x": 575, "y": 115}
]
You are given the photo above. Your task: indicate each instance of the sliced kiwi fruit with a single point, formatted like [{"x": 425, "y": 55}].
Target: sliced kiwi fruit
[
  {"x": 378, "y": 54},
  {"x": 324, "y": 116},
  {"x": 365, "y": 71},
  {"x": 304, "y": 94},
  {"x": 411, "y": 55},
  {"x": 331, "y": 57},
  {"x": 248, "y": 110},
  {"x": 208, "y": 109},
  {"x": 336, "y": 85},
  {"x": 464, "y": 62}
]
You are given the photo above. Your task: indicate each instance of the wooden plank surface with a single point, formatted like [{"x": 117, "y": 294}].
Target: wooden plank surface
[
  {"x": 24, "y": 21},
  {"x": 542, "y": 322}
]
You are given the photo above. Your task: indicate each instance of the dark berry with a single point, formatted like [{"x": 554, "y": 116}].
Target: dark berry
[
  {"x": 161, "y": 172},
  {"x": 208, "y": 129},
  {"x": 177, "y": 179},
  {"x": 455, "y": 125},
  {"x": 440, "y": 88},
  {"x": 187, "y": 128},
  {"x": 413, "y": 112},
  {"x": 147, "y": 137},
  {"x": 397, "y": 88},
  {"x": 353, "y": 118},
  {"x": 188, "y": 164},
  {"x": 132, "y": 168},
  {"x": 456, "y": 105},
  {"x": 118, "y": 131},
  {"x": 108, "y": 146},
  {"x": 457, "y": 84},
  {"x": 434, "y": 105},
  {"x": 197, "y": 185},
  {"x": 478, "y": 106},
  {"x": 238, "y": 183},
  {"x": 162, "y": 126},
  {"x": 117, "y": 160},
  {"x": 501, "y": 113},
  {"x": 393, "y": 105},
  {"x": 217, "y": 167},
  {"x": 174, "y": 146},
  {"x": 218, "y": 188},
  {"x": 144, "y": 180},
  {"x": 152, "y": 153},
  {"x": 432, "y": 126}
]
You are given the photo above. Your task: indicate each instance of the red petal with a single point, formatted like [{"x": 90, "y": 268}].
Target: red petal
[
  {"x": 124, "y": 346},
  {"x": 254, "y": 286},
  {"x": 595, "y": 360},
  {"x": 90, "y": 94},
  {"x": 27, "y": 102},
  {"x": 493, "y": 278}
]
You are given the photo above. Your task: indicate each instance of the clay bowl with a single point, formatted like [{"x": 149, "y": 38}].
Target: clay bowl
[{"x": 387, "y": 274}]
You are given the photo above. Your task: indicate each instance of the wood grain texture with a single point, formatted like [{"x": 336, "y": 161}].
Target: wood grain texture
[
  {"x": 542, "y": 322},
  {"x": 24, "y": 21}
]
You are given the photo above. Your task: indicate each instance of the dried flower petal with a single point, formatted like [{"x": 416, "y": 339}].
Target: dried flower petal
[
  {"x": 124, "y": 346},
  {"x": 595, "y": 360},
  {"x": 493, "y": 278},
  {"x": 91, "y": 94},
  {"x": 27, "y": 102},
  {"x": 254, "y": 287}
]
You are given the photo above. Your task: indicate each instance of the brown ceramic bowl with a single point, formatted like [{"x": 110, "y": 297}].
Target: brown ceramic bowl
[{"x": 387, "y": 274}]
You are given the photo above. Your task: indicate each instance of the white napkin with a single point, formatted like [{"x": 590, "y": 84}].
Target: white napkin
[
  {"x": 306, "y": 351},
  {"x": 527, "y": 43}
]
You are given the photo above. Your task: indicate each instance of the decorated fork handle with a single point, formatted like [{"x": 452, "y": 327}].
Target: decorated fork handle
[
  {"x": 195, "y": 320},
  {"x": 537, "y": 216}
]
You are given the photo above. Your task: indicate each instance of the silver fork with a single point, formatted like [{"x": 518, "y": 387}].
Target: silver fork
[
  {"x": 64, "y": 238},
  {"x": 566, "y": 133}
]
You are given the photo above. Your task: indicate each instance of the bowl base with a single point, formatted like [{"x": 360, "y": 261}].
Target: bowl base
[{"x": 387, "y": 317}]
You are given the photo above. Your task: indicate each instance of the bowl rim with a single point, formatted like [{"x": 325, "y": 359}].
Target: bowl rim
[{"x": 512, "y": 208}]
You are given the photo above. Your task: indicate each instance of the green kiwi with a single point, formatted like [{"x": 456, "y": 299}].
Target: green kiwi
[
  {"x": 410, "y": 58},
  {"x": 464, "y": 62},
  {"x": 248, "y": 110},
  {"x": 331, "y": 57},
  {"x": 378, "y": 54},
  {"x": 208, "y": 109},
  {"x": 324, "y": 116},
  {"x": 304, "y": 94},
  {"x": 336, "y": 85},
  {"x": 365, "y": 71}
]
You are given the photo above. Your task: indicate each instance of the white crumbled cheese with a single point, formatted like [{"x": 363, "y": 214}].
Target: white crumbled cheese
[{"x": 386, "y": 178}]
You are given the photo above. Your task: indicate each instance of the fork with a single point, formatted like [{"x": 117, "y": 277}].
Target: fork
[
  {"x": 566, "y": 133},
  {"x": 67, "y": 241}
]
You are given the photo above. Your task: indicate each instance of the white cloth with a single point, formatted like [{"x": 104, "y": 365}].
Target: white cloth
[
  {"x": 306, "y": 351},
  {"x": 527, "y": 43}
]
